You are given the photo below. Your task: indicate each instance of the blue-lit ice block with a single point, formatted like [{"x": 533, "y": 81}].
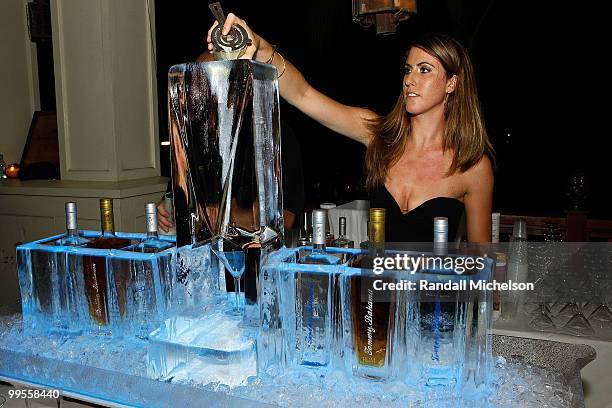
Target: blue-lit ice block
[
  {"x": 300, "y": 313},
  {"x": 132, "y": 296},
  {"x": 434, "y": 340},
  {"x": 447, "y": 332},
  {"x": 213, "y": 339}
]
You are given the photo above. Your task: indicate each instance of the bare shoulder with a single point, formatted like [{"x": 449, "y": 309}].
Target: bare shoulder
[{"x": 480, "y": 176}]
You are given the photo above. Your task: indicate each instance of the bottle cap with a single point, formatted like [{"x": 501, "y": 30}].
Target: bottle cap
[
  {"x": 71, "y": 215},
  {"x": 440, "y": 225},
  {"x": 327, "y": 206},
  {"x": 342, "y": 225},
  {"x": 106, "y": 214},
  {"x": 319, "y": 217},
  {"x": 151, "y": 217},
  {"x": 71, "y": 207},
  {"x": 519, "y": 230},
  {"x": 319, "y": 222},
  {"x": 377, "y": 215}
]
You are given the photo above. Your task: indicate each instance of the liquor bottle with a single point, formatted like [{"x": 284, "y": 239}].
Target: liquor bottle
[
  {"x": 342, "y": 241},
  {"x": 94, "y": 268},
  {"x": 305, "y": 237},
  {"x": 314, "y": 304},
  {"x": 72, "y": 237},
  {"x": 495, "y": 221},
  {"x": 499, "y": 273},
  {"x": 152, "y": 243},
  {"x": 437, "y": 311},
  {"x": 372, "y": 318},
  {"x": 375, "y": 242},
  {"x": 49, "y": 268}
]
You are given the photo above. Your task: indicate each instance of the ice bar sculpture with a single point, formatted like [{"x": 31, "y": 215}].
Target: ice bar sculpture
[
  {"x": 225, "y": 144},
  {"x": 226, "y": 173},
  {"x": 132, "y": 296},
  {"x": 429, "y": 339}
]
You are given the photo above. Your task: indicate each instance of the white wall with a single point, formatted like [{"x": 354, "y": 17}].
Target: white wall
[{"x": 18, "y": 79}]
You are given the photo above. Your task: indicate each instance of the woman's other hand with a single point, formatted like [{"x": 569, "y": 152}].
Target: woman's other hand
[{"x": 163, "y": 217}]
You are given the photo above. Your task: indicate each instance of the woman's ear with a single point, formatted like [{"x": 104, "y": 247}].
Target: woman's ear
[{"x": 451, "y": 84}]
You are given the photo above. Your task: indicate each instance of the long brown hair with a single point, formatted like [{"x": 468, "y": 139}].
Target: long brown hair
[{"x": 464, "y": 129}]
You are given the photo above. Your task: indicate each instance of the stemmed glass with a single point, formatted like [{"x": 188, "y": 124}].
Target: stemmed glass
[{"x": 233, "y": 258}]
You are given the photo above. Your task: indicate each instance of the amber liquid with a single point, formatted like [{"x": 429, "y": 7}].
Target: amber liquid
[
  {"x": 372, "y": 322},
  {"x": 94, "y": 270}
]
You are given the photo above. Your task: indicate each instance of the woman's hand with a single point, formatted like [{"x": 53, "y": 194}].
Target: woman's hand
[
  {"x": 163, "y": 217},
  {"x": 256, "y": 41}
]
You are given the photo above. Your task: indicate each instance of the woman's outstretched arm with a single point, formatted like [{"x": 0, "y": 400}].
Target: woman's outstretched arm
[{"x": 347, "y": 120}]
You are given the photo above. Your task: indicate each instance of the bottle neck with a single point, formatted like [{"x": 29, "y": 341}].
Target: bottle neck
[
  {"x": 152, "y": 235},
  {"x": 71, "y": 222},
  {"x": 107, "y": 225},
  {"x": 151, "y": 223},
  {"x": 318, "y": 235},
  {"x": 318, "y": 248},
  {"x": 377, "y": 238},
  {"x": 342, "y": 229}
]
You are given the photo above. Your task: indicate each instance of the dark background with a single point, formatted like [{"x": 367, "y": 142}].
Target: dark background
[{"x": 530, "y": 66}]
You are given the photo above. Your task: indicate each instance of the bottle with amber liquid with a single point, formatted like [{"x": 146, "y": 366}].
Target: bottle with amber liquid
[
  {"x": 372, "y": 312},
  {"x": 94, "y": 268}
]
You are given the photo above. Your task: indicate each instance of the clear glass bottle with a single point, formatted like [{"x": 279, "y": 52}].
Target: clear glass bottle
[
  {"x": 314, "y": 301},
  {"x": 94, "y": 268},
  {"x": 438, "y": 311},
  {"x": 305, "y": 237},
  {"x": 152, "y": 243},
  {"x": 342, "y": 241},
  {"x": 72, "y": 237}
]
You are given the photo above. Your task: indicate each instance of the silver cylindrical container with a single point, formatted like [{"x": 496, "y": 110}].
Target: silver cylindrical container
[
  {"x": 151, "y": 217},
  {"x": 440, "y": 235},
  {"x": 71, "y": 216},
  {"x": 319, "y": 222}
]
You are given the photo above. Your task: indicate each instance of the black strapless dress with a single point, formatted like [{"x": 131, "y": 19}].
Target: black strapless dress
[{"x": 417, "y": 224}]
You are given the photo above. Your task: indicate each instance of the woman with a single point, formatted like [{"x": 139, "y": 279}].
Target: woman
[{"x": 429, "y": 157}]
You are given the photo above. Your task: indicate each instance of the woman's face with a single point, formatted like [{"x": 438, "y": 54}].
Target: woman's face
[{"x": 425, "y": 83}]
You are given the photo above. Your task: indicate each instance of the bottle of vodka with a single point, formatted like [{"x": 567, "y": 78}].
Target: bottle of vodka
[
  {"x": 152, "y": 243},
  {"x": 342, "y": 241},
  {"x": 318, "y": 255},
  {"x": 314, "y": 301}
]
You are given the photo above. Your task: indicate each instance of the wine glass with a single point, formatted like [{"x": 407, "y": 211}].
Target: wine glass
[{"x": 233, "y": 258}]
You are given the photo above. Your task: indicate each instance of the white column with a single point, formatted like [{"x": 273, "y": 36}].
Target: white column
[
  {"x": 18, "y": 79},
  {"x": 105, "y": 85}
]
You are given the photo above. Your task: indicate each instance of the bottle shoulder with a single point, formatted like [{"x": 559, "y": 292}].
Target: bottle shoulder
[
  {"x": 318, "y": 258},
  {"x": 153, "y": 245}
]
